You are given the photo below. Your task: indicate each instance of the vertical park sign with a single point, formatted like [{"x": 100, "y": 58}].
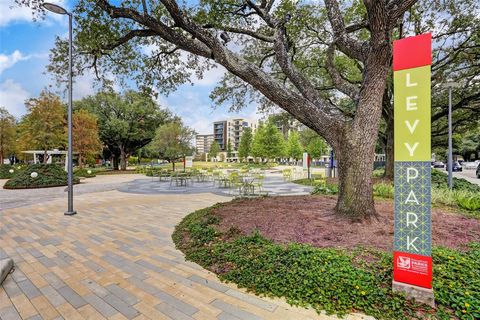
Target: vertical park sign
[{"x": 412, "y": 107}]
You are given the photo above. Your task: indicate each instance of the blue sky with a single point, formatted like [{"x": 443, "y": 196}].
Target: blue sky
[{"x": 24, "y": 49}]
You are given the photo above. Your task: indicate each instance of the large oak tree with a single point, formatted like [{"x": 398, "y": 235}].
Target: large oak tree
[{"x": 252, "y": 40}]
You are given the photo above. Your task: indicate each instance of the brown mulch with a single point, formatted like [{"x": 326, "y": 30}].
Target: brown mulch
[{"x": 310, "y": 219}]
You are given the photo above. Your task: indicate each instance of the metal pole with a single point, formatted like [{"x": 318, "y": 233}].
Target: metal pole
[
  {"x": 70, "y": 210},
  {"x": 450, "y": 156}
]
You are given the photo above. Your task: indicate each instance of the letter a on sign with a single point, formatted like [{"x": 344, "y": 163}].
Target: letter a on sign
[{"x": 412, "y": 120}]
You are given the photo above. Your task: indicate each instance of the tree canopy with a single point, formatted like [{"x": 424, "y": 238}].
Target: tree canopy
[
  {"x": 44, "y": 125},
  {"x": 126, "y": 122},
  {"x": 86, "y": 142},
  {"x": 294, "y": 148},
  {"x": 7, "y": 133},
  {"x": 268, "y": 142},
  {"x": 173, "y": 141},
  {"x": 214, "y": 149},
  {"x": 245, "y": 145}
]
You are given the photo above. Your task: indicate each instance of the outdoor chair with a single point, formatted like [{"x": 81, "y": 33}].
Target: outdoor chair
[
  {"x": 258, "y": 182},
  {"x": 155, "y": 174},
  {"x": 287, "y": 174},
  {"x": 163, "y": 175}
]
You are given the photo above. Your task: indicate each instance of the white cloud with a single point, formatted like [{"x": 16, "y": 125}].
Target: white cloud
[
  {"x": 11, "y": 12},
  {"x": 7, "y": 61},
  {"x": 13, "y": 96},
  {"x": 210, "y": 77}
]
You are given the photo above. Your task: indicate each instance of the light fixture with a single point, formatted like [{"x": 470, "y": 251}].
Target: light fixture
[{"x": 54, "y": 8}]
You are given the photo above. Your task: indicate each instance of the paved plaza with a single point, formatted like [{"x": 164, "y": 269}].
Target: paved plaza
[{"x": 115, "y": 259}]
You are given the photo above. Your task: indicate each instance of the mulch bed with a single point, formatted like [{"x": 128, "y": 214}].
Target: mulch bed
[{"x": 310, "y": 219}]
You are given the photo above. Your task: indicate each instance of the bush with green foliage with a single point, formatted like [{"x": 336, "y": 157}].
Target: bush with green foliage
[
  {"x": 49, "y": 175},
  {"x": 84, "y": 173},
  {"x": 383, "y": 190},
  {"x": 334, "y": 280},
  {"x": 6, "y": 168},
  {"x": 440, "y": 180},
  {"x": 325, "y": 188}
]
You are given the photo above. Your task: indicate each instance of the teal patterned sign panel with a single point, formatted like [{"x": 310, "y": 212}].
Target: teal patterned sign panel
[{"x": 412, "y": 207}]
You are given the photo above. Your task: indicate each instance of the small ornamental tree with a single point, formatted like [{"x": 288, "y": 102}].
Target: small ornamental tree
[
  {"x": 44, "y": 125},
  {"x": 294, "y": 148},
  {"x": 245, "y": 145},
  {"x": 214, "y": 149},
  {"x": 268, "y": 142},
  {"x": 173, "y": 141},
  {"x": 313, "y": 143},
  {"x": 229, "y": 149},
  {"x": 86, "y": 142}
]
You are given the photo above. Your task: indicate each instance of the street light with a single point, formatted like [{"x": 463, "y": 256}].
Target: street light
[
  {"x": 59, "y": 10},
  {"x": 450, "y": 86}
]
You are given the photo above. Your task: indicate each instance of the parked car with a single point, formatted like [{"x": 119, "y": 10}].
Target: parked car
[
  {"x": 478, "y": 171},
  {"x": 438, "y": 164},
  {"x": 455, "y": 167}
]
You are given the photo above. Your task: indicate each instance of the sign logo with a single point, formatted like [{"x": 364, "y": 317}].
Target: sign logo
[
  {"x": 412, "y": 240},
  {"x": 403, "y": 262}
]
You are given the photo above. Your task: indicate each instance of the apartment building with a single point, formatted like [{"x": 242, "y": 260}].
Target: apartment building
[
  {"x": 203, "y": 142},
  {"x": 231, "y": 130}
]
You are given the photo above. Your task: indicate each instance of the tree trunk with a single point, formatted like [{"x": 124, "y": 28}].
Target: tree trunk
[
  {"x": 173, "y": 165},
  {"x": 389, "y": 151},
  {"x": 355, "y": 165},
  {"x": 123, "y": 159},
  {"x": 45, "y": 156},
  {"x": 115, "y": 161},
  {"x": 80, "y": 160}
]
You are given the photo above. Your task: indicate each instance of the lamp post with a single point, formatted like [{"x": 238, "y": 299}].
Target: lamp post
[
  {"x": 450, "y": 86},
  {"x": 59, "y": 10}
]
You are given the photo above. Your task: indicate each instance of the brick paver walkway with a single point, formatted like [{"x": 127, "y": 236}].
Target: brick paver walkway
[{"x": 116, "y": 260}]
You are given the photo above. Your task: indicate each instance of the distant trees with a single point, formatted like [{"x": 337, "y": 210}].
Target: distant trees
[
  {"x": 126, "y": 122},
  {"x": 245, "y": 145},
  {"x": 7, "y": 133},
  {"x": 86, "y": 142},
  {"x": 173, "y": 141},
  {"x": 229, "y": 149},
  {"x": 268, "y": 142},
  {"x": 214, "y": 149},
  {"x": 315, "y": 145},
  {"x": 294, "y": 147},
  {"x": 43, "y": 127}
]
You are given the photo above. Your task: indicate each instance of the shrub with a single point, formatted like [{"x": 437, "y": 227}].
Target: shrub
[
  {"x": 325, "y": 188},
  {"x": 6, "y": 168},
  {"x": 378, "y": 173},
  {"x": 84, "y": 173},
  {"x": 383, "y": 190},
  {"x": 329, "y": 279},
  {"x": 468, "y": 201},
  {"x": 49, "y": 175},
  {"x": 440, "y": 180}
]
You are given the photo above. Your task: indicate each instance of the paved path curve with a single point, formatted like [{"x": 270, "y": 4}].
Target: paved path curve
[{"x": 116, "y": 260}]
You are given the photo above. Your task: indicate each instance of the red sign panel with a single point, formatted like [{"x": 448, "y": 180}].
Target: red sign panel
[
  {"x": 412, "y": 52},
  {"x": 412, "y": 269}
]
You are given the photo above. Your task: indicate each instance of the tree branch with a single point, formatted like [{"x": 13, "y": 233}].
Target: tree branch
[
  {"x": 349, "y": 46},
  {"x": 396, "y": 9},
  {"x": 343, "y": 86}
]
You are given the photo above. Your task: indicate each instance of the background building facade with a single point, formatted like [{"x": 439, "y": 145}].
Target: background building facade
[{"x": 203, "y": 143}]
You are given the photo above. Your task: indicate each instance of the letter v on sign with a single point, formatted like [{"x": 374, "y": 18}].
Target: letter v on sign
[{"x": 410, "y": 126}]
